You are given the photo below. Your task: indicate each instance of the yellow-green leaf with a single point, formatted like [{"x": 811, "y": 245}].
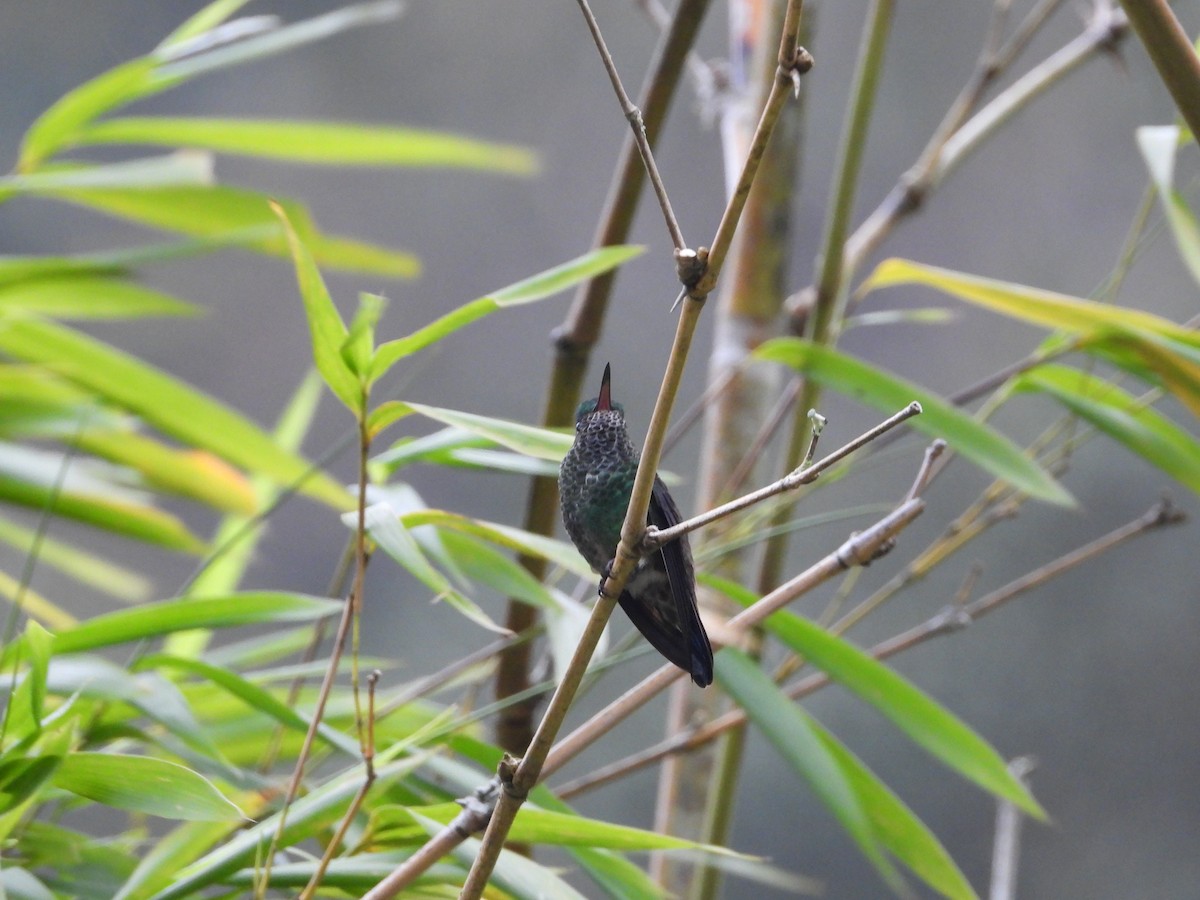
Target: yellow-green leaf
[
  {"x": 325, "y": 325},
  {"x": 538, "y": 287},
  {"x": 326, "y": 143},
  {"x": 165, "y": 402},
  {"x": 886, "y": 392},
  {"x": 1039, "y": 307},
  {"x": 143, "y": 784},
  {"x": 1120, "y": 415}
]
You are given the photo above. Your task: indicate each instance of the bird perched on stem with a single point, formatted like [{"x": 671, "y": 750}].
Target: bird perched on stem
[{"x": 595, "y": 483}]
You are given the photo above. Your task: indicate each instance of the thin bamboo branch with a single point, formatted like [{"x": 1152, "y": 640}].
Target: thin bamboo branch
[
  {"x": 350, "y": 614},
  {"x": 573, "y": 341},
  {"x": 859, "y": 549},
  {"x": 1172, "y": 53},
  {"x": 655, "y": 537},
  {"x": 634, "y": 116},
  {"x": 946, "y": 152},
  {"x": 951, "y": 618},
  {"x": 1006, "y": 850}
]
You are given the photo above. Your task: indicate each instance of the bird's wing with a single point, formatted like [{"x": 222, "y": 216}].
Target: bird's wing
[{"x": 676, "y": 559}]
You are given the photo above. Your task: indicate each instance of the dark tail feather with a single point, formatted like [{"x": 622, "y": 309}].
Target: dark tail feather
[{"x": 696, "y": 651}]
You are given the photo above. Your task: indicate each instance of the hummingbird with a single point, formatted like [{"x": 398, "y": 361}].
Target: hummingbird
[{"x": 595, "y": 483}]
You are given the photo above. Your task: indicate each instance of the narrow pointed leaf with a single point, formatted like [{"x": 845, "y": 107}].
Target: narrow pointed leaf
[
  {"x": 395, "y": 539},
  {"x": 1157, "y": 359},
  {"x": 1118, "y": 414},
  {"x": 328, "y": 331},
  {"x": 358, "y": 349},
  {"x": 538, "y": 287},
  {"x": 157, "y": 619},
  {"x": 180, "y": 169},
  {"x": 210, "y": 16},
  {"x": 324, "y": 143},
  {"x": 165, "y": 402},
  {"x": 521, "y": 877},
  {"x": 481, "y": 562},
  {"x": 87, "y": 568},
  {"x": 924, "y": 720},
  {"x": 558, "y": 552},
  {"x": 899, "y": 830},
  {"x": 34, "y": 604},
  {"x": 59, "y": 126},
  {"x": 886, "y": 392},
  {"x": 322, "y": 805},
  {"x": 793, "y": 735},
  {"x": 188, "y": 473},
  {"x": 1159, "y": 145},
  {"x": 143, "y": 784},
  {"x": 541, "y": 443},
  {"x": 92, "y": 501},
  {"x": 1039, "y": 307},
  {"x": 89, "y": 297},
  {"x": 220, "y": 213},
  {"x": 255, "y": 697}
]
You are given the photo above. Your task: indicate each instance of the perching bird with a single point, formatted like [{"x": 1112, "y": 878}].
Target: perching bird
[{"x": 595, "y": 483}]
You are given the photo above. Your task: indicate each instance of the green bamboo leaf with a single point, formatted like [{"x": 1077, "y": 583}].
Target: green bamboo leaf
[
  {"x": 185, "y": 168},
  {"x": 38, "y": 644},
  {"x": 328, "y": 331},
  {"x": 157, "y": 619},
  {"x": 26, "y": 704},
  {"x": 86, "y": 568},
  {"x": 793, "y": 734},
  {"x": 1039, "y": 307},
  {"x": 1156, "y": 359},
  {"x": 393, "y": 536},
  {"x": 210, "y": 16},
  {"x": 534, "y": 825},
  {"x": 538, "y": 287},
  {"x": 21, "y": 884},
  {"x": 258, "y": 699},
  {"x": 177, "y": 409},
  {"x": 148, "y": 692},
  {"x": 220, "y": 213},
  {"x": 926, "y": 722},
  {"x": 1159, "y": 145},
  {"x": 160, "y": 861},
  {"x": 184, "y": 61},
  {"x": 886, "y": 392},
  {"x": 431, "y": 448},
  {"x": 197, "y": 475},
  {"x": 56, "y": 126},
  {"x": 325, "y": 143},
  {"x": 89, "y": 297},
  {"x": 34, "y": 604},
  {"x": 35, "y": 479},
  {"x": 236, "y": 538},
  {"x": 119, "y": 262},
  {"x": 558, "y": 552},
  {"x": 144, "y": 784},
  {"x": 177, "y": 62},
  {"x": 899, "y": 830},
  {"x": 1120, "y": 415},
  {"x": 541, "y": 443},
  {"x": 22, "y": 777},
  {"x": 358, "y": 349},
  {"x": 521, "y": 877},
  {"x": 481, "y": 562},
  {"x": 321, "y": 806}
]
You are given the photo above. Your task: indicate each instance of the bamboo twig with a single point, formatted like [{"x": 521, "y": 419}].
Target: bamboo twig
[
  {"x": 954, "y": 617},
  {"x": 805, "y": 474}
]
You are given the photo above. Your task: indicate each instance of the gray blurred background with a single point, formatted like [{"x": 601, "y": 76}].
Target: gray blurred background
[{"x": 1093, "y": 674}]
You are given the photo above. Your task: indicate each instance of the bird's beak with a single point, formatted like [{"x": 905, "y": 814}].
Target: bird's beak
[{"x": 604, "y": 401}]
